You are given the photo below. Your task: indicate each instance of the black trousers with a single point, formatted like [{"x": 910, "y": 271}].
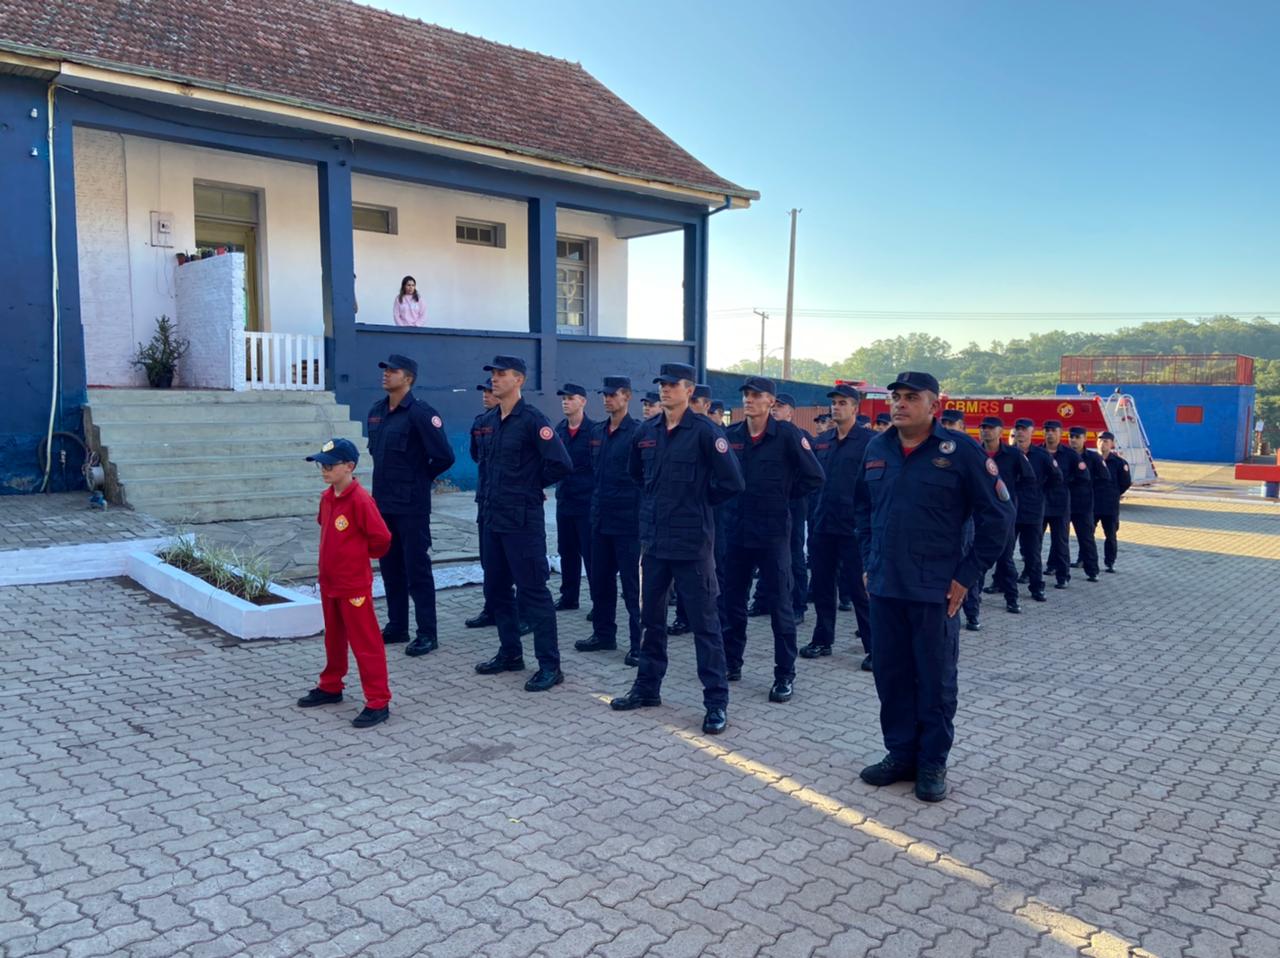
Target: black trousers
[
  {"x": 1082, "y": 523},
  {"x": 836, "y": 558},
  {"x": 1059, "y": 563},
  {"x": 614, "y": 558},
  {"x": 406, "y": 571},
  {"x": 916, "y": 650},
  {"x": 1030, "y": 545},
  {"x": 1004, "y": 574},
  {"x": 1110, "y": 530},
  {"x": 799, "y": 565},
  {"x": 775, "y": 575},
  {"x": 573, "y": 533},
  {"x": 520, "y": 560},
  {"x": 695, "y": 582}
]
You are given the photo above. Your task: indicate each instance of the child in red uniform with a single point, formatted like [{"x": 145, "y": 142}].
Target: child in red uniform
[{"x": 351, "y": 533}]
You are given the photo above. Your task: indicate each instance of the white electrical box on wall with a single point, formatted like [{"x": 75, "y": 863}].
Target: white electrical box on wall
[{"x": 161, "y": 229}]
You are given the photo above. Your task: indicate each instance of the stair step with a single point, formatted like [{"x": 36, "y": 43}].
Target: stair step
[
  {"x": 183, "y": 467},
  {"x": 160, "y": 432},
  {"x": 223, "y": 508},
  {"x": 124, "y": 452},
  {"x": 99, "y": 397},
  {"x": 276, "y": 412},
  {"x": 142, "y": 491}
]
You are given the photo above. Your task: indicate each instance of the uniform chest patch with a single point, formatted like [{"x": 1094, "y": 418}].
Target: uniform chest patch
[
  {"x": 823, "y": 446},
  {"x": 341, "y": 523},
  {"x": 942, "y": 463},
  {"x": 873, "y": 464},
  {"x": 992, "y": 467},
  {"x": 437, "y": 421},
  {"x": 374, "y": 420},
  {"x": 722, "y": 445},
  {"x": 946, "y": 447},
  {"x": 1081, "y": 465},
  {"x": 1002, "y": 491},
  {"x": 738, "y": 445},
  {"x": 545, "y": 433}
]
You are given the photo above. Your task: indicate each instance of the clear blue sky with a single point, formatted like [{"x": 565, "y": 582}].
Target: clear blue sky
[{"x": 953, "y": 158}]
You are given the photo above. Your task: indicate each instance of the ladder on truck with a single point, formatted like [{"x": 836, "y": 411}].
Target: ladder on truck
[{"x": 1121, "y": 414}]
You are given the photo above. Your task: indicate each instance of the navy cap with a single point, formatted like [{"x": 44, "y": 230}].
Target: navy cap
[
  {"x": 1077, "y": 431},
  {"x": 822, "y": 417},
  {"x": 862, "y": 421},
  {"x": 884, "y": 417},
  {"x": 572, "y": 389},
  {"x": 716, "y": 407},
  {"x": 701, "y": 391},
  {"x": 338, "y": 450},
  {"x": 1023, "y": 424},
  {"x": 613, "y": 383},
  {"x": 396, "y": 361},
  {"x": 652, "y": 399},
  {"x": 952, "y": 415},
  {"x": 992, "y": 422},
  {"x": 761, "y": 384},
  {"x": 507, "y": 362},
  {"x": 785, "y": 398},
  {"x": 674, "y": 372},
  {"x": 1108, "y": 434},
  {"x": 910, "y": 380},
  {"x": 844, "y": 389},
  {"x": 1052, "y": 424},
  {"x": 487, "y": 385}
]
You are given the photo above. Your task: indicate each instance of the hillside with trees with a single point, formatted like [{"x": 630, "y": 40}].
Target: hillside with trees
[{"x": 1030, "y": 365}]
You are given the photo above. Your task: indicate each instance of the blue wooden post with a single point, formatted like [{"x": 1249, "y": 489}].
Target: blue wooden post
[
  {"x": 695, "y": 292},
  {"x": 542, "y": 286},
  {"x": 337, "y": 264}
]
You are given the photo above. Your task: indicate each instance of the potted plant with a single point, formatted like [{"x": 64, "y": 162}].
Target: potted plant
[{"x": 159, "y": 358}]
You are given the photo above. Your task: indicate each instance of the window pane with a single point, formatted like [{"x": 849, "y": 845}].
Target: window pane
[
  {"x": 372, "y": 220},
  {"x": 208, "y": 201}
]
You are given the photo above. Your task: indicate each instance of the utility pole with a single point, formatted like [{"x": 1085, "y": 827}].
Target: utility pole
[
  {"x": 763, "y": 318},
  {"x": 791, "y": 292}
]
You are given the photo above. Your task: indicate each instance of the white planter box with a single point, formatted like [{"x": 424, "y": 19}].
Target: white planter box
[{"x": 298, "y": 616}]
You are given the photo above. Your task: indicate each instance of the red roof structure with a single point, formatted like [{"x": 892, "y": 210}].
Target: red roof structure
[{"x": 354, "y": 61}]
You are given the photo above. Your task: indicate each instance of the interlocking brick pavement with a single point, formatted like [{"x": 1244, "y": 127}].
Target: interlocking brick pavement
[{"x": 1115, "y": 772}]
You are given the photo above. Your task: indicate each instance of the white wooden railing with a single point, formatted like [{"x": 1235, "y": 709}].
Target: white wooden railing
[{"x": 282, "y": 361}]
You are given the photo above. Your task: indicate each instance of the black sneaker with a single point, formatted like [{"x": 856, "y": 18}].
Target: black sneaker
[
  {"x": 1111, "y": 569},
  {"x": 1091, "y": 578},
  {"x": 1013, "y": 607},
  {"x": 931, "y": 784},
  {"x": 499, "y": 664},
  {"x": 632, "y": 659},
  {"x": 1024, "y": 579},
  {"x": 973, "y": 625},
  {"x": 845, "y": 605},
  {"x": 715, "y": 721},
  {"x": 481, "y": 621},
  {"x": 393, "y": 638},
  {"x": 733, "y": 675},
  {"x": 989, "y": 590},
  {"x": 814, "y": 651},
  {"x": 319, "y": 697},
  {"x": 543, "y": 680},
  {"x": 782, "y": 691},
  {"x": 421, "y": 645},
  {"x": 635, "y": 699},
  {"x": 368, "y": 717},
  {"x": 526, "y": 628},
  {"x": 563, "y": 605},
  {"x": 1060, "y": 585},
  {"x": 887, "y": 771},
  {"x": 591, "y": 616},
  {"x": 596, "y": 644},
  {"x": 678, "y": 627},
  {"x": 1038, "y": 597},
  {"x": 866, "y": 663}
]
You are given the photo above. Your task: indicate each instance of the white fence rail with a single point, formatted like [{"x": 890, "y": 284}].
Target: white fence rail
[{"x": 281, "y": 361}]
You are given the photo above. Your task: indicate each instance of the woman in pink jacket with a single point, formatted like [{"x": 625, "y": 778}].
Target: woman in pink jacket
[{"x": 408, "y": 309}]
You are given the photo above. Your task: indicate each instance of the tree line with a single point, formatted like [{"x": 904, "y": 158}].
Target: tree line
[{"x": 1030, "y": 365}]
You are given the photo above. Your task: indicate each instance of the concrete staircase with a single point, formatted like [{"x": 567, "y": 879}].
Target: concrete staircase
[{"x": 202, "y": 455}]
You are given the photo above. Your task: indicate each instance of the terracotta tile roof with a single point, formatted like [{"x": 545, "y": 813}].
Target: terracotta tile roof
[{"x": 355, "y": 61}]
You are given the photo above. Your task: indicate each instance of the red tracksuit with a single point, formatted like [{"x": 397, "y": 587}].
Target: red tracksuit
[{"x": 351, "y": 533}]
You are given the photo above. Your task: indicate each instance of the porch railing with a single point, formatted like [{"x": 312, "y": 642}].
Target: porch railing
[{"x": 282, "y": 361}]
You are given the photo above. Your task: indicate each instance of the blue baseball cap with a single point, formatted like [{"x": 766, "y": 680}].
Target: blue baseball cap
[
  {"x": 1077, "y": 431},
  {"x": 487, "y": 385},
  {"x": 507, "y": 362},
  {"x": 335, "y": 451},
  {"x": 952, "y": 415},
  {"x": 844, "y": 389},
  {"x": 786, "y": 399},
  {"x": 651, "y": 398},
  {"x": 992, "y": 422},
  {"x": 1052, "y": 424},
  {"x": 1024, "y": 424},
  {"x": 760, "y": 384},
  {"x": 1107, "y": 434},
  {"x": 670, "y": 373},
  {"x": 701, "y": 391},
  {"x": 862, "y": 420},
  {"x": 572, "y": 389},
  {"x": 403, "y": 363},
  {"x": 613, "y": 383},
  {"x": 717, "y": 407},
  {"x": 884, "y": 417},
  {"x": 915, "y": 381}
]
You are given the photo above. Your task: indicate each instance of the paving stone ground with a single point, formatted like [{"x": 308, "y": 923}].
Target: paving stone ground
[{"x": 1115, "y": 784}]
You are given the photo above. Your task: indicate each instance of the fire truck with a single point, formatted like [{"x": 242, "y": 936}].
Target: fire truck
[{"x": 1117, "y": 413}]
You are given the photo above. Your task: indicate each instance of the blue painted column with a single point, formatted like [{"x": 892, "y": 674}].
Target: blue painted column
[
  {"x": 695, "y": 292},
  {"x": 542, "y": 286},
  {"x": 72, "y": 374},
  {"x": 337, "y": 264}
]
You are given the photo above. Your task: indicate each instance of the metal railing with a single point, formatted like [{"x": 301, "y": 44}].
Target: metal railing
[
  {"x": 1209, "y": 369},
  {"x": 283, "y": 360}
]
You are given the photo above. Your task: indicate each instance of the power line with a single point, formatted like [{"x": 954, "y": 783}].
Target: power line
[{"x": 1005, "y": 316}]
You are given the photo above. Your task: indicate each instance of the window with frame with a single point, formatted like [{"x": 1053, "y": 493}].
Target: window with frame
[
  {"x": 572, "y": 283},
  {"x": 480, "y": 233},
  {"x": 373, "y": 219}
]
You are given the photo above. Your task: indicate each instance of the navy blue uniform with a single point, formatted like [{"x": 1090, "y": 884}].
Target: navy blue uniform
[
  {"x": 615, "y": 531},
  {"x": 1057, "y": 512},
  {"x": 573, "y": 511},
  {"x": 1029, "y": 521},
  {"x": 833, "y": 544},
  {"x": 683, "y": 473},
  {"x": 1017, "y": 474},
  {"x": 1106, "y": 504},
  {"x": 521, "y": 456},
  {"x": 779, "y": 468},
  {"x": 1091, "y": 470},
  {"x": 910, "y": 512},
  {"x": 409, "y": 449}
]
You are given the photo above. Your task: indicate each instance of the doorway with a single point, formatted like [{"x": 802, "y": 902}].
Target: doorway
[{"x": 227, "y": 218}]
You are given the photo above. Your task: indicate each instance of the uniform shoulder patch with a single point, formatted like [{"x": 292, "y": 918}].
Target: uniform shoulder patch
[
  {"x": 947, "y": 447},
  {"x": 437, "y": 422},
  {"x": 1002, "y": 491},
  {"x": 722, "y": 444},
  {"x": 545, "y": 433},
  {"x": 341, "y": 523},
  {"x": 992, "y": 467},
  {"x": 1126, "y": 467},
  {"x": 804, "y": 441}
]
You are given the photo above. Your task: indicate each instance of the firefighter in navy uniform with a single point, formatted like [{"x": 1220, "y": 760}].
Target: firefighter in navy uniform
[
  {"x": 1090, "y": 470},
  {"x": 1057, "y": 504},
  {"x": 953, "y": 419},
  {"x": 650, "y": 405},
  {"x": 684, "y": 467},
  {"x": 1106, "y": 496},
  {"x": 833, "y": 547},
  {"x": 573, "y": 496},
  {"x": 1017, "y": 473},
  {"x": 615, "y": 524},
  {"x": 522, "y": 456},
  {"x": 409, "y": 449},
  {"x": 779, "y": 468},
  {"x": 918, "y": 484},
  {"x": 478, "y": 431},
  {"x": 784, "y": 411},
  {"x": 1029, "y": 521}
]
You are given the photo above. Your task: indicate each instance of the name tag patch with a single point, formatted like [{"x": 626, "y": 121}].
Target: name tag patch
[{"x": 942, "y": 463}]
